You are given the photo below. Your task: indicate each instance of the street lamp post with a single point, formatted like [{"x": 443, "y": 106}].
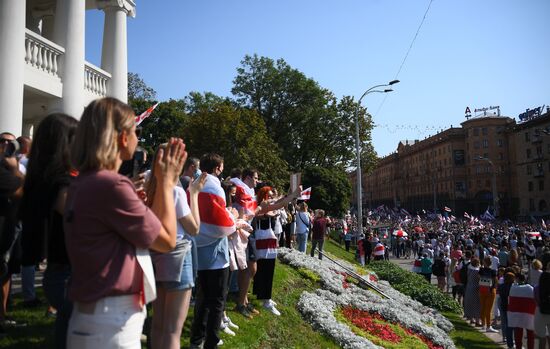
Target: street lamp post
[
  {"x": 358, "y": 151},
  {"x": 493, "y": 184}
]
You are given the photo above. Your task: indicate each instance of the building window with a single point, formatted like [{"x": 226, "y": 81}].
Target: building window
[
  {"x": 476, "y": 131},
  {"x": 468, "y": 146},
  {"x": 484, "y": 131},
  {"x": 530, "y": 186},
  {"x": 485, "y": 143},
  {"x": 531, "y": 204},
  {"x": 487, "y": 183},
  {"x": 485, "y": 155},
  {"x": 529, "y": 170},
  {"x": 541, "y": 185},
  {"x": 500, "y": 156},
  {"x": 476, "y": 145},
  {"x": 528, "y": 153},
  {"x": 500, "y": 143},
  {"x": 527, "y": 137}
]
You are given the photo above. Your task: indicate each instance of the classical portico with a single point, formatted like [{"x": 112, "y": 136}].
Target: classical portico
[{"x": 42, "y": 59}]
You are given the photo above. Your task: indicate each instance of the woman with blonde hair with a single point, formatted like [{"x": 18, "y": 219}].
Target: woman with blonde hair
[
  {"x": 109, "y": 229},
  {"x": 174, "y": 270}
]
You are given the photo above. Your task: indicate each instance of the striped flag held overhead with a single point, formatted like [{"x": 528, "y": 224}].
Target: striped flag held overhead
[
  {"x": 145, "y": 114},
  {"x": 306, "y": 194},
  {"x": 447, "y": 209}
]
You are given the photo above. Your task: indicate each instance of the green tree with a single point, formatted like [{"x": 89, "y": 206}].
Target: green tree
[
  {"x": 239, "y": 135},
  {"x": 330, "y": 189},
  {"x": 307, "y": 121},
  {"x": 166, "y": 121},
  {"x": 138, "y": 89}
]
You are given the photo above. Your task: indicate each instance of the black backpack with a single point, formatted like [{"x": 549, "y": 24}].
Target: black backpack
[
  {"x": 544, "y": 293},
  {"x": 464, "y": 272},
  {"x": 438, "y": 269}
]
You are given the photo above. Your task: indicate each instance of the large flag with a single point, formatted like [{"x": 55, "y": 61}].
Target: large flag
[
  {"x": 521, "y": 306},
  {"x": 216, "y": 221},
  {"x": 487, "y": 215},
  {"x": 245, "y": 197},
  {"x": 447, "y": 209},
  {"x": 145, "y": 114},
  {"x": 466, "y": 215},
  {"x": 306, "y": 194}
]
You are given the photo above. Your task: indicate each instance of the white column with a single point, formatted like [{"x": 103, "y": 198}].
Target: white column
[
  {"x": 12, "y": 65},
  {"x": 28, "y": 129},
  {"x": 114, "y": 53},
  {"x": 69, "y": 30}
]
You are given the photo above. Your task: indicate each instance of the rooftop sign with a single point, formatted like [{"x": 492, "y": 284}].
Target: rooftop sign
[{"x": 531, "y": 114}]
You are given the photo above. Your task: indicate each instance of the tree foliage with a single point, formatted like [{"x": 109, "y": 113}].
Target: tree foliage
[
  {"x": 307, "y": 121},
  {"x": 331, "y": 189},
  {"x": 217, "y": 125},
  {"x": 138, "y": 89}
]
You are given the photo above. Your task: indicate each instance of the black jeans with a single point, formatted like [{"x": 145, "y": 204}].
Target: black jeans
[
  {"x": 209, "y": 305},
  {"x": 314, "y": 244}
]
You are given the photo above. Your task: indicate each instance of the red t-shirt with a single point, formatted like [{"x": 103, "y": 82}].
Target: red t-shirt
[{"x": 104, "y": 223}]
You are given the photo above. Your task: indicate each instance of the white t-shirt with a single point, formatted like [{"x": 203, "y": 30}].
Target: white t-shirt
[{"x": 182, "y": 210}]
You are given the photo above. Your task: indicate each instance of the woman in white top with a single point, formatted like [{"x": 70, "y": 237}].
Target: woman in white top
[{"x": 174, "y": 270}]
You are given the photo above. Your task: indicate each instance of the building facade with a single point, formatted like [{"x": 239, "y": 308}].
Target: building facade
[
  {"x": 466, "y": 168},
  {"x": 42, "y": 64}
]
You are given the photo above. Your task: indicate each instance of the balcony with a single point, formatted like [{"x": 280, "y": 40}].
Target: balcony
[
  {"x": 43, "y": 63},
  {"x": 538, "y": 174}
]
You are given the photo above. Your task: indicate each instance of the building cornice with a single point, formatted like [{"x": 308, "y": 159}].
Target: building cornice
[{"x": 128, "y": 6}]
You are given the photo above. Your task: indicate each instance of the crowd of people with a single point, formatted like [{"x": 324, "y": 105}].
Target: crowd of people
[
  {"x": 116, "y": 235},
  {"x": 499, "y": 271}
]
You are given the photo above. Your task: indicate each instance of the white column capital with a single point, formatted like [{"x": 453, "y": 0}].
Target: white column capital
[{"x": 128, "y": 6}]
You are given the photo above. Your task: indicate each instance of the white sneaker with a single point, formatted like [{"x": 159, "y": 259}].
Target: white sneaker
[
  {"x": 269, "y": 306},
  {"x": 220, "y": 342},
  {"x": 228, "y": 331},
  {"x": 230, "y": 323},
  {"x": 491, "y": 329}
]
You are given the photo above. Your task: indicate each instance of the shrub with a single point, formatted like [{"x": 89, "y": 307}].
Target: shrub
[{"x": 415, "y": 286}]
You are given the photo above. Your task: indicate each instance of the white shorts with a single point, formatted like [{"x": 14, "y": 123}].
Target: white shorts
[{"x": 111, "y": 322}]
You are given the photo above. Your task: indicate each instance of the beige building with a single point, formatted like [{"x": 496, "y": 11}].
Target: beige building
[{"x": 462, "y": 167}]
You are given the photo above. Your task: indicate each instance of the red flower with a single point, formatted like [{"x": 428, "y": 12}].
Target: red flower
[{"x": 371, "y": 323}]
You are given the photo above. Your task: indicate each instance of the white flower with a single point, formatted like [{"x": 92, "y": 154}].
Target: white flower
[{"x": 318, "y": 309}]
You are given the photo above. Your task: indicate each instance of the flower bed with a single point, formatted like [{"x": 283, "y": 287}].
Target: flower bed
[{"x": 337, "y": 292}]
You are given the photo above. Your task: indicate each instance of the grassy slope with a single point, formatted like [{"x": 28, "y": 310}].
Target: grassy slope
[
  {"x": 464, "y": 336},
  {"x": 264, "y": 331}
]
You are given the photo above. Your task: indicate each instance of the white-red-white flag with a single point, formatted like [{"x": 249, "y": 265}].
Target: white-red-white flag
[
  {"x": 245, "y": 198},
  {"x": 543, "y": 224},
  {"x": 145, "y": 114},
  {"x": 306, "y": 194}
]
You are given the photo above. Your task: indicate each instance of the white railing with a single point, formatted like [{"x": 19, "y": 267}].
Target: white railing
[
  {"x": 42, "y": 54},
  {"x": 95, "y": 79}
]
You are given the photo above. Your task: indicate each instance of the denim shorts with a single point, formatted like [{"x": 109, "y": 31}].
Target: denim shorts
[{"x": 186, "y": 279}]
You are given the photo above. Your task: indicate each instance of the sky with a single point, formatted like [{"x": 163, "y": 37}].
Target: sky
[{"x": 468, "y": 53}]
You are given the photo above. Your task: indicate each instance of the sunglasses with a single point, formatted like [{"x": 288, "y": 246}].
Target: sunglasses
[{"x": 5, "y": 140}]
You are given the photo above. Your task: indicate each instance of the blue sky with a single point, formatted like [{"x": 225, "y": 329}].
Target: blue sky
[{"x": 468, "y": 53}]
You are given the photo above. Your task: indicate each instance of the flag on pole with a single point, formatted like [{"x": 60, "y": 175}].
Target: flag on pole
[
  {"x": 466, "y": 215},
  {"x": 447, "y": 209},
  {"x": 145, "y": 114},
  {"x": 543, "y": 224},
  {"x": 306, "y": 194}
]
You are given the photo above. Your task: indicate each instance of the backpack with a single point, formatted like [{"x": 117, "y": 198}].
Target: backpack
[
  {"x": 544, "y": 293},
  {"x": 464, "y": 273},
  {"x": 438, "y": 269}
]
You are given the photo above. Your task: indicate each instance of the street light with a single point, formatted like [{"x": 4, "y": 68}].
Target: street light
[
  {"x": 358, "y": 151},
  {"x": 494, "y": 182}
]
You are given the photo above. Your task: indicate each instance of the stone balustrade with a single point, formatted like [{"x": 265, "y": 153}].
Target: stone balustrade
[
  {"x": 42, "y": 54},
  {"x": 96, "y": 79}
]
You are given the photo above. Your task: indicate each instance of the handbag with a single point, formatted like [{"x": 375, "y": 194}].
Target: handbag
[{"x": 168, "y": 266}]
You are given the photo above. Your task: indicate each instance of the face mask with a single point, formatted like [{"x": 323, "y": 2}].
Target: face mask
[{"x": 197, "y": 174}]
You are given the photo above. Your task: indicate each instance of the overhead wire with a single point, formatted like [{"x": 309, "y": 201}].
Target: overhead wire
[{"x": 406, "y": 55}]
